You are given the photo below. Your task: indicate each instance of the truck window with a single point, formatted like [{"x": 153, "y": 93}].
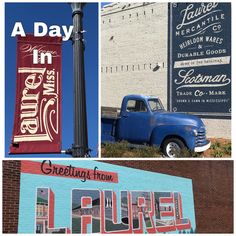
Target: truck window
[
  {"x": 136, "y": 106},
  {"x": 155, "y": 105}
]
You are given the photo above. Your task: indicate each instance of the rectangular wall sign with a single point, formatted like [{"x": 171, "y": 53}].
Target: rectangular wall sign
[{"x": 199, "y": 67}]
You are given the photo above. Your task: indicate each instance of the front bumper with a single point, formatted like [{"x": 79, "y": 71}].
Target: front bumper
[{"x": 203, "y": 148}]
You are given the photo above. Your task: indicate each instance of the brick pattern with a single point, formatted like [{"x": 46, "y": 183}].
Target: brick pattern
[
  {"x": 134, "y": 41},
  {"x": 11, "y": 190},
  {"x": 212, "y": 187},
  {"x": 218, "y": 128},
  {"x": 128, "y": 62}
]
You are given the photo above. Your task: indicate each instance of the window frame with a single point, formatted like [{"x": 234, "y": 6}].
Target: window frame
[{"x": 139, "y": 100}]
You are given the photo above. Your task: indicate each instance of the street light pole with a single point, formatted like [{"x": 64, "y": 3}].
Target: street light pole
[{"x": 80, "y": 145}]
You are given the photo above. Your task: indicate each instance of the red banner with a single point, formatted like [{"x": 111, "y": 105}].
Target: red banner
[
  {"x": 49, "y": 169},
  {"x": 37, "y": 123}
]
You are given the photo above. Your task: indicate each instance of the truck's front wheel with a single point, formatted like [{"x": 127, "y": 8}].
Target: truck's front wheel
[{"x": 172, "y": 147}]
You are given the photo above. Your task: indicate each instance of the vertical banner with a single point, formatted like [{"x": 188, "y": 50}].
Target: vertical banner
[
  {"x": 200, "y": 58},
  {"x": 37, "y": 123}
]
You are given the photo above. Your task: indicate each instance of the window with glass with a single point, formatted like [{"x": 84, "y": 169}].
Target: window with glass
[
  {"x": 136, "y": 106},
  {"x": 155, "y": 105}
]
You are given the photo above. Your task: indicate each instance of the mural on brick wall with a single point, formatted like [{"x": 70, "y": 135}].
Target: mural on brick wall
[
  {"x": 94, "y": 197},
  {"x": 200, "y": 58}
]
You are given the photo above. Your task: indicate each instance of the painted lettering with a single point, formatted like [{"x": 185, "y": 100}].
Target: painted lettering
[
  {"x": 95, "y": 211},
  {"x": 189, "y": 79}
]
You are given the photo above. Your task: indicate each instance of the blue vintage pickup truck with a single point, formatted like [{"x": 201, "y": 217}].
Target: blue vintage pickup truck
[{"x": 143, "y": 120}]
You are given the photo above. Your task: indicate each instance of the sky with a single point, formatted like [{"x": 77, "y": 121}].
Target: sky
[
  {"x": 105, "y": 3},
  {"x": 55, "y": 14}
]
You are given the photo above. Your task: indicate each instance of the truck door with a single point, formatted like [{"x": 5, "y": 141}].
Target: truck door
[{"x": 134, "y": 125}]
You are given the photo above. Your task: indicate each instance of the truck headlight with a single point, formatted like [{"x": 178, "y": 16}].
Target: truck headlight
[{"x": 195, "y": 132}]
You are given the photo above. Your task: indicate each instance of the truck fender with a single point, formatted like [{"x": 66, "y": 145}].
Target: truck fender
[{"x": 160, "y": 133}]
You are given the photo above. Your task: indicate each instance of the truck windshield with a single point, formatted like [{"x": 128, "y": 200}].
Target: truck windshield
[{"x": 155, "y": 104}]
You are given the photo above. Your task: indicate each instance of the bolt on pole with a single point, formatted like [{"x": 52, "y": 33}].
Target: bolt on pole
[{"x": 80, "y": 145}]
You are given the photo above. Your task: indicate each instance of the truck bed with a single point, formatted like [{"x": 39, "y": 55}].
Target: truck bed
[
  {"x": 110, "y": 112},
  {"x": 109, "y": 117},
  {"x": 108, "y": 129}
]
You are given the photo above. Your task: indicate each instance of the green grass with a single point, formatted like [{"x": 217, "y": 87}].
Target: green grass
[
  {"x": 220, "y": 150},
  {"x": 121, "y": 149}
]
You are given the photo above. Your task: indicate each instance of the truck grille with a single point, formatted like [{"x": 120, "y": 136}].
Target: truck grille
[{"x": 201, "y": 137}]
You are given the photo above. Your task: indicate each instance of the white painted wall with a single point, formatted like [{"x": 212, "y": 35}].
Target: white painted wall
[{"x": 134, "y": 40}]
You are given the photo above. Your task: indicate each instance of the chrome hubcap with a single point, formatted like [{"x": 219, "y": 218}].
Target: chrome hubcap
[{"x": 172, "y": 149}]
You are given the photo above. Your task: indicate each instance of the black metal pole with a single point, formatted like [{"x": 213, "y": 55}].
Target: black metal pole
[{"x": 80, "y": 145}]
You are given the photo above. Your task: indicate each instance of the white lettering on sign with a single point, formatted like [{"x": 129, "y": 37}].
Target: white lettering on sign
[
  {"x": 28, "y": 50},
  {"x": 36, "y": 117},
  {"x": 197, "y": 20},
  {"x": 41, "y": 57},
  {"x": 189, "y": 79},
  {"x": 191, "y": 16}
]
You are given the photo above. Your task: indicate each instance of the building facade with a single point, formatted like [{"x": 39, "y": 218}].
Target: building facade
[
  {"x": 211, "y": 181},
  {"x": 134, "y": 57}
]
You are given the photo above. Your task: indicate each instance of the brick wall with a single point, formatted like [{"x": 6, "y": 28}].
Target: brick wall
[
  {"x": 134, "y": 39},
  {"x": 11, "y": 190},
  {"x": 131, "y": 48},
  {"x": 212, "y": 187}
]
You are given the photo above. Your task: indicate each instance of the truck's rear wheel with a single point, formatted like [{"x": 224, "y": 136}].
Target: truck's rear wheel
[{"x": 172, "y": 147}]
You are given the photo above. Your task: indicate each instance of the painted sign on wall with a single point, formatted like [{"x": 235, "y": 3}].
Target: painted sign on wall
[
  {"x": 94, "y": 197},
  {"x": 200, "y": 58}
]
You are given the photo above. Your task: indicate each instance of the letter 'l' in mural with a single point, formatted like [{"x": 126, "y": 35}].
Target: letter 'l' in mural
[{"x": 93, "y": 197}]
